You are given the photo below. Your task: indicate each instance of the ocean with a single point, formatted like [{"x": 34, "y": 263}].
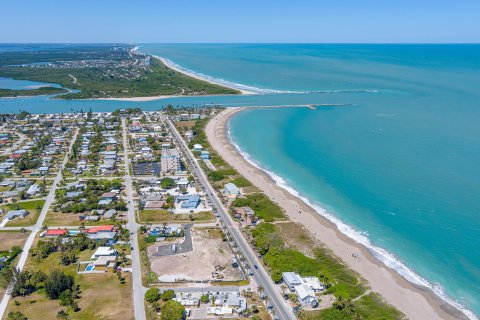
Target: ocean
[
  {"x": 391, "y": 154},
  {"x": 394, "y": 161}
]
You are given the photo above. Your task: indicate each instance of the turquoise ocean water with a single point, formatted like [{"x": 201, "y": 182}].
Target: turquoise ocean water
[{"x": 394, "y": 160}]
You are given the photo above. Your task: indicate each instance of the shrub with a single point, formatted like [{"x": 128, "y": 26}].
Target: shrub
[
  {"x": 152, "y": 295},
  {"x": 168, "y": 295}
]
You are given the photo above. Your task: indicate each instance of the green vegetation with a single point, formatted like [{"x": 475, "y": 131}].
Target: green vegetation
[
  {"x": 92, "y": 194},
  {"x": 241, "y": 182},
  {"x": 368, "y": 307},
  {"x": 167, "y": 183},
  {"x": 342, "y": 282},
  {"x": 121, "y": 77},
  {"x": 168, "y": 295},
  {"x": 70, "y": 53},
  {"x": 263, "y": 207},
  {"x": 33, "y": 92},
  {"x": 152, "y": 295},
  {"x": 172, "y": 310},
  {"x": 102, "y": 296}
]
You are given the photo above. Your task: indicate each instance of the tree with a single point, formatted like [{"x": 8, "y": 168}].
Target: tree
[
  {"x": 167, "y": 183},
  {"x": 168, "y": 295},
  {"x": 66, "y": 298},
  {"x": 68, "y": 257},
  {"x": 62, "y": 315},
  {"x": 172, "y": 310},
  {"x": 38, "y": 277},
  {"x": 152, "y": 295},
  {"x": 57, "y": 283},
  {"x": 16, "y": 315},
  {"x": 283, "y": 287},
  {"x": 17, "y": 281},
  {"x": 204, "y": 298}
]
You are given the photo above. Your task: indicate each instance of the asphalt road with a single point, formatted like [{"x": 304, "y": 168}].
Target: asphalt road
[
  {"x": 132, "y": 226},
  {"x": 280, "y": 307},
  {"x": 36, "y": 228}
]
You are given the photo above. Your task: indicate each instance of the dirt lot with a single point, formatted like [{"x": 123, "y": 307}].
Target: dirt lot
[
  {"x": 208, "y": 251},
  {"x": 8, "y": 239}
]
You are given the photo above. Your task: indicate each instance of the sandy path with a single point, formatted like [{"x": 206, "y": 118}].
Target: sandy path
[{"x": 415, "y": 302}]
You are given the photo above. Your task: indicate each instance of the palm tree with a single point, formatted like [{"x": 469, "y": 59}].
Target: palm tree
[
  {"x": 283, "y": 287},
  {"x": 260, "y": 289}
]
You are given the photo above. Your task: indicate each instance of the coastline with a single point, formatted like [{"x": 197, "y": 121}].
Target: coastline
[
  {"x": 415, "y": 301},
  {"x": 174, "y": 67}
]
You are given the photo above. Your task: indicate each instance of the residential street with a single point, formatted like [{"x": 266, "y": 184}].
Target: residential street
[
  {"x": 36, "y": 228},
  {"x": 280, "y": 307},
  {"x": 132, "y": 226}
]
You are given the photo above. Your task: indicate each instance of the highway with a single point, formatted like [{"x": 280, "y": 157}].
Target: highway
[
  {"x": 36, "y": 228},
  {"x": 132, "y": 226},
  {"x": 281, "y": 309}
]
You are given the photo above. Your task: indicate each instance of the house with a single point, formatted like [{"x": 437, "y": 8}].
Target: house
[
  {"x": 12, "y": 214},
  {"x": 187, "y": 299},
  {"x": 197, "y": 147},
  {"x": 33, "y": 190},
  {"x": 231, "y": 300},
  {"x": 104, "y": 252},
  {"x": 231, "y": 191},
  {"x": 99, "y": 229},
  {"x": 105, "y": 263},
  {"x": 110, "y": 214},
  {"x": 91, "y": 218},
  {"x": 306, "y": 296},
  {"x": 73, "y": 194},
  {"x": 109, "y": 196},
  {"x": 304, "y": 287},
  {"x": 154, "y": 205},
  {"x": 291, "y": 280},
  {"x": 109, "y": 236},
  {"x": 188, "y": 201},
  {"x": 56, "y": 233}
]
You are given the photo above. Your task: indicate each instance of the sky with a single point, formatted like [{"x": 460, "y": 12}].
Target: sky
[{"x": 160, "y": 21}]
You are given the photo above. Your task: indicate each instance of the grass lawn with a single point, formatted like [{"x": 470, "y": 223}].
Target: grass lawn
[
  {"x": 102, "y": 295},
  {"x": 33, "y": 206},
  {"x": 160, "y": 216},
  {"x": 144, "y": 262},
  {"x": 70, "y": 219}
]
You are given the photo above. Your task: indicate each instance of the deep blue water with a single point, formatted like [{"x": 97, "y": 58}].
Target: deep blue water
[{"x": 399, "y": 162}]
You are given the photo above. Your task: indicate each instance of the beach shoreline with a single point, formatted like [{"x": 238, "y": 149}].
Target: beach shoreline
[
  {"x": 415, "y": 301},
  {"x": 174, "y": 67}
]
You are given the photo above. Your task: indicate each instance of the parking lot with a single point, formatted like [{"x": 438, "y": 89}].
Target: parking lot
[
  {"x": 146, "y": 169},
  {"x": 184, "y": 247}
]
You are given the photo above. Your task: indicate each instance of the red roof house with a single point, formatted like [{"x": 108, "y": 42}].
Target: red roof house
[{"x": 56, "y": 232}]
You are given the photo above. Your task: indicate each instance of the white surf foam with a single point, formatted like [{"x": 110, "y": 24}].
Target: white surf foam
[{"x": 381, "y": 254}]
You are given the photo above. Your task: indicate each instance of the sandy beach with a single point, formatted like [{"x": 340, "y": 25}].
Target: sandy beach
[
  {"x": 414, "y": 301},
  {"x": 172, "y": 66}
]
